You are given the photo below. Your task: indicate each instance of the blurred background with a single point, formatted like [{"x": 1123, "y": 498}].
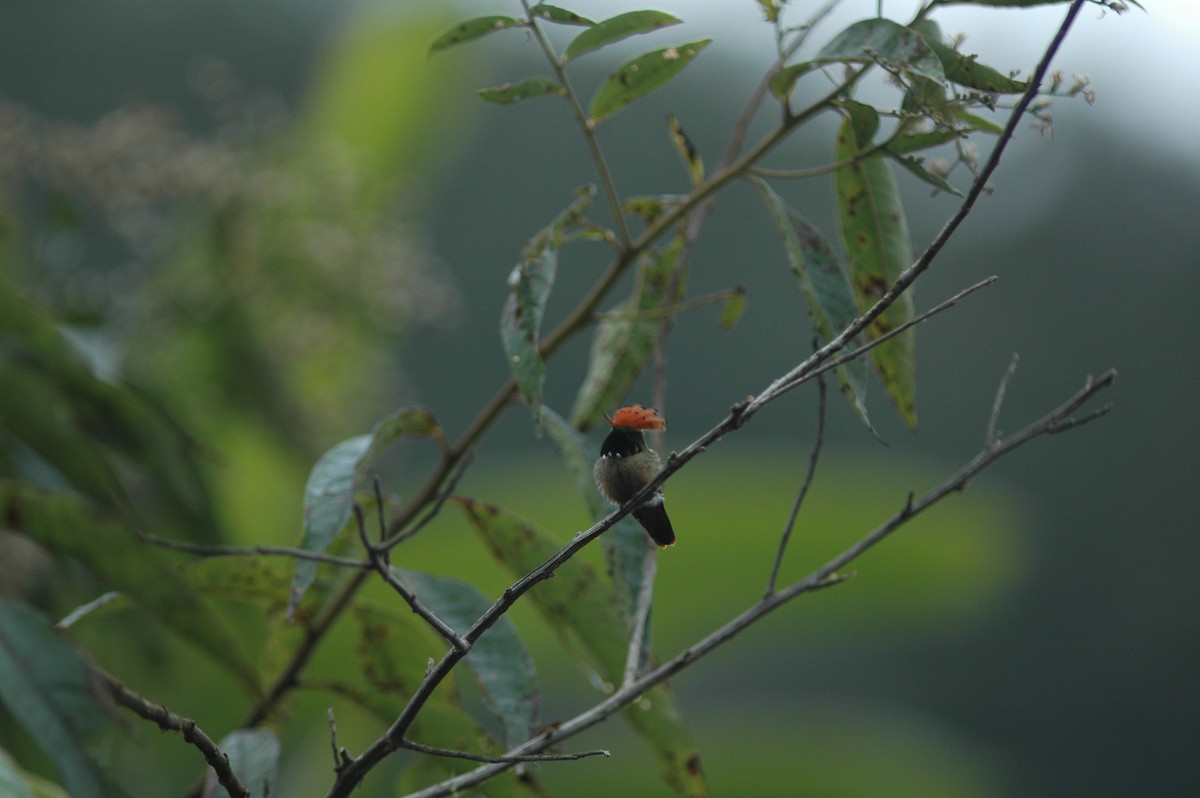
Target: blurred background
[{"x": 282, "y": 220}]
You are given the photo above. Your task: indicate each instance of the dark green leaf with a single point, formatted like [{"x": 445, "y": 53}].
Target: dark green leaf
[
  {"x": 559, "y": 15},
  {"x": 877, "y": 243},
  {"x": 498, "y": 658},
  {"x": 13, "y": 783},
  {"x": 624, "y": 341},
  {"x": 46, "y": 686},
  {"x": 527, "y": 89},
  {"x": 732, "y": 310},
  {"x": 570, "y": 446},
  {"x": 337, "y": 474},
  {"x": 583, "y": 608},
  {"x": 472, "y": 29},
  {"x": 895, "y": 46},
  {"x": 826, "y": 289},
  {"x": 640, "y": 76},
  {"x": 69, "y": 527},
  {"x": 922, "y": 141},
  {"x": 783, "y": 83},
  {"x": 617, "y": 28},
  {"x": 966, "y": 71},
  {"x": 915, "y": 165},
  {"x": 687, "y": 151},
  {"x": 254, "y": 756},
  {"x": 863, "y": 118}
]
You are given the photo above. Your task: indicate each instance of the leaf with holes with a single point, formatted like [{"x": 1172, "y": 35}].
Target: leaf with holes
[
  {"x": 472, "y": 29},
  {"x": 638, "y": 77},
  {"x": 875, "y": 235},
  {"x": 560, "y": 15},
  {"x": 891, "y": 44},
  {"x": 528, "y": 89},
  {"x": 617, "y": 28}
]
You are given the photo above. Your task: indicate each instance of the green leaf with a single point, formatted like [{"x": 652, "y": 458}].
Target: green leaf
[
  {"x": 783, "y": 83},
  {"x": 732, "y": 309},
  {"x": 917, "y": 167},
  {"x": 893, "y": 45},
  {"x": 864, "y": 119},
  {"x": 12, "y": 781},
  {"x": 650, "y": 208},
  {"x": 527, "y": 89},
  {"x": 337, "y": 474},
  {"x": 978, "y": 122},
  {"x": 640, "y": 76},
  {"x": 964, "y": 69},
  {"x": 68, "y": 527},
  {"x": 624, "y": 341},
  {"x": 617, "y": 28},
  {"x": 498, "y": 658},
  {"x": 875, "y": 236},
  {"x": 584, "y": 609},
  {"x": 254, "y": 756},
  {"x": 827, "y": 291},
  {"x": 529, "y": 284},
  {"x": 922, "y": 141},
  {"x": 472, "y": 29},
  {"x": 46, "y": 686},
  {"x": 559, "y": 15},
  {"x": 570, "y": 446},
  {"x": 687, "y": 151},
  {"x": 770, "y": 10}
]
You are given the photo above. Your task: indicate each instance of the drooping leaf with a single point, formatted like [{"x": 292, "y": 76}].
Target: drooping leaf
[
  {"x": 892, "y": 44},
  {"x": 498, "y": 658},
  {"x": 583, "y": 608},
  {"x": 916, "y": 166},
  {"x": 70, "y": 528},
  {"x": 254, "y": 756},
  {"x": 783, "y": 83},
  {"x": 732, "y": 309},
  {"x": 640, "y": 76},
  {"x": 826, "y": 288},
  {"x": 472, "y": 29},
  {"x": 559, "y": 15},
  {"x": 875, "y": 235},
  {"x": 337, "y": 474},
  {"x": 530, "y": 283},
  {"x": 687, "y": 151},
  {"x": 617, "y": 28},
  {"x": 527, "y": 89},
  {"x": 46, "y": 686},
  {"x": 624, "y": 342}
]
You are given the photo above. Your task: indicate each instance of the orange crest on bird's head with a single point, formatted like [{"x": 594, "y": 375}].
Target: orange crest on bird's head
[{"x": 637, "y": 417}]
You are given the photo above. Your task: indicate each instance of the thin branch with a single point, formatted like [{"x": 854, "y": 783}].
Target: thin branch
[
  {"x": 827, "y": 575},
  {"x": 990, "y": 438},
  {"x": 202, "y": 550},
  {"x": 167, "y": 720},
  {"x": 389, "y": 543},
  {"x": 676, "y": 309},
  {"x": 80, "y": 612},
  {"x": 813, "y": 457},
  {"x": 448, "y": 752},
  {"x": 641, "y": 613}
]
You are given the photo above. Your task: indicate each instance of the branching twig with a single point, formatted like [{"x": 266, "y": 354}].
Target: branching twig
[
  {"x": 202, "y": 550},
  {"x": 512, "y": 760},
  {"x": 167, "y": 720},
  {"x": 804, "y": 486},
  {"x": 990, "y": 438},
  {"x": 825, "y": 576}
]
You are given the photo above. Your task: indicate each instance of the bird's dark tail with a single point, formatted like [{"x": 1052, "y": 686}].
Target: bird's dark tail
[{"x": 653, "y": 516}]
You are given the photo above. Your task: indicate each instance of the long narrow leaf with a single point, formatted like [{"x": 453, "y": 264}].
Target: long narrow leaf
[
  {"x": 640, "y": 76},
  {"x": 527, "y": 89},
  {"x": 881, "y": 39},
  {"x": 617, "y": 28},
  {"x": 472, "y": 29},
  {"x": 877, "y": 243},
  {"x": 583, "y": 608}
]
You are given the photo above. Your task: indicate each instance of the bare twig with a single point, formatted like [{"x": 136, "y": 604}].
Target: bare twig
[
  {"x": 201, "y": 550},
  {"x": 389, "y": 543},
  {"x": 641, "y": 613},
  {"x": 512, "y": 760},
  {"x": 813, "y": 457},
  {"x": 990, "y": 438},
  {"x": 827, "y": 575},
  {"x": 83, "y": 610},
  {"x": 167, "y": 720}
]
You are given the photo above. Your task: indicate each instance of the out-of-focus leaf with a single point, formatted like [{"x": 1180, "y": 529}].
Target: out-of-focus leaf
[
  {"x": 917, "y": 167},
  {"x": 46, "y": 686},
  {"x": 979, "y": 123},
  {"x": 559, "y": 15},
  {"x": 498, "y": 658},
  {"x": 640, "y": 76},
  {"x": 530, "y": 283},
  {"x": 879, "y": 38},
  {"x": 337, "y": 474},
  {"x": 648, "y": 209},
  {"x": 770, "y": 10},
  {"x": 864, "y": 120},
  {"x": 254, "y": 756},
  {"x": 826, "y": 289},
  {"x": 527, "y": 89},
  {"x": 732, "y": 310},
  {"x": 68, "y": 527},
  {"x": 966, "y": 71},
  {"x": 617, "y": 28},
  {"x": 472, "y": 29},
  {"x": 582, "y": 607},
  {"x": 783, "y": 83},
  {"x": 570, "y": 446},
  {"x": 687, "y": 151},
  {"x": 12, "y": 781},
  {"x": 913, "y": 142},
  {"x": 1115, "y": 5},
  {"x": 877, "y": 243},
  {"x": 624, "y": 341}
]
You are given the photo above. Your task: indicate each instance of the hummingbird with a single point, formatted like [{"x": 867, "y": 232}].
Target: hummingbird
[{"x": 627, "y": 465}]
